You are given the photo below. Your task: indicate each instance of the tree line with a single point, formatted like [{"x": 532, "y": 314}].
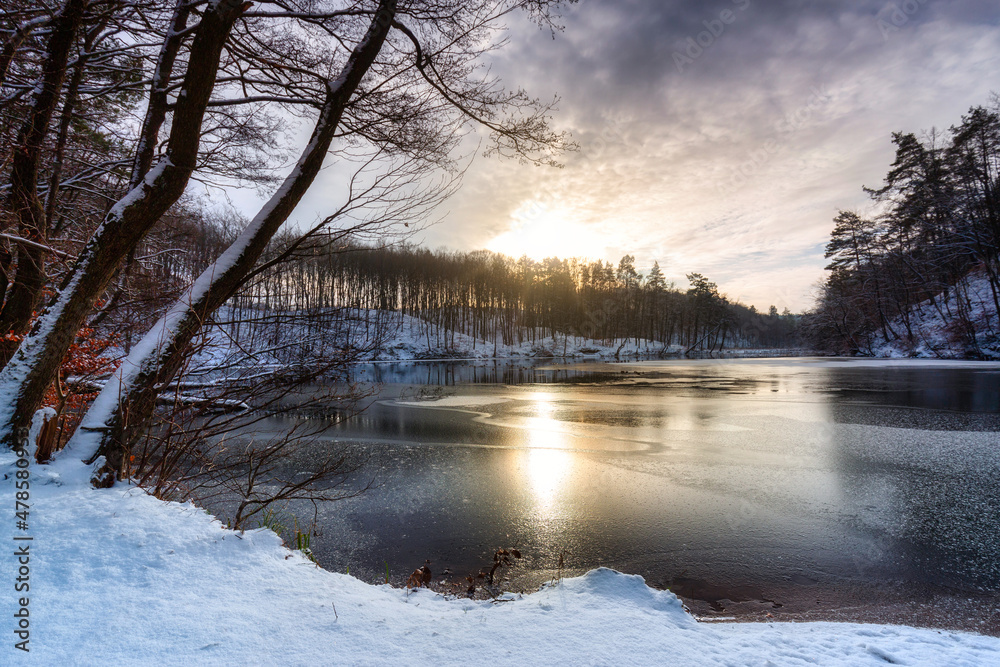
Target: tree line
[
  {"x": 935, "y": 229},
  {"x": 499, "y": 300}
]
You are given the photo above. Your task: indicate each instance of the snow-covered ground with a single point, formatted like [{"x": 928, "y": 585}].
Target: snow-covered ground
[
  {"x": 119, "y": 577},
  {"x": 410, "y": 341},
  {"x": 936, "y": 334}
]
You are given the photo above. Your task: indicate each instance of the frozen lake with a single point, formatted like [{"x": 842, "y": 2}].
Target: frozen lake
[{"x": 800, "y": 488}]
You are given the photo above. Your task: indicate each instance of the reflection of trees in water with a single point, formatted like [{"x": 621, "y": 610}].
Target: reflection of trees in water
[
  {"x": 964, "y": 390},
  {"x": 451, "y": 373}
]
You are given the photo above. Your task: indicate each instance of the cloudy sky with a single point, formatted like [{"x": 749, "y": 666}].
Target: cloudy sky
[
  {"x": 729, "y": 153},
  {"x": 720, "y": 137}
]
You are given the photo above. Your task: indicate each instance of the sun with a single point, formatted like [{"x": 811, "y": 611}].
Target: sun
[{"x": 541, "y": 230}]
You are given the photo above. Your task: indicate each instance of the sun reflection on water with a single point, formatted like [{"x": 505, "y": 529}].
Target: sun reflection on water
[
  {"x": 547, "y": 460},
  {"x": 547, "y": 473}
]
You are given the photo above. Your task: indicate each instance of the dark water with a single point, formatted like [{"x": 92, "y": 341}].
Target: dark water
[{"x": 808, "y": 488}]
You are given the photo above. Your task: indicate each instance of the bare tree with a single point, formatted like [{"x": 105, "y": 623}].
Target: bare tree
[{"x": 23, "y": 200}]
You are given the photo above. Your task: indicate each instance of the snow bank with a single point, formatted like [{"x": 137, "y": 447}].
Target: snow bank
[
  {"x": 118, "y": 577},
  {"x": 415, "y": 339}
]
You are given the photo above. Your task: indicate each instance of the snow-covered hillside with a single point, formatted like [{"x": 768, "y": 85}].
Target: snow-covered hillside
[
  {"x": 380, "y": 336},
  {"x": 962, "y": 326},
  {"x": 119, "y": 577},
  {"x": 410, "y": 340}
]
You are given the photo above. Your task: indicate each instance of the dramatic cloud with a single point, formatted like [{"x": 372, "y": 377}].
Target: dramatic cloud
[{"x": 722, "y": 138}]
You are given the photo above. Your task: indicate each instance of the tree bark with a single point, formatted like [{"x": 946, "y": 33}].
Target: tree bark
[
  {"x": 23, "y": 200},
  {"x": 156, "y": 110},
  {"x": 34, "y": 366},
  {"x": 65, "y": 121}
]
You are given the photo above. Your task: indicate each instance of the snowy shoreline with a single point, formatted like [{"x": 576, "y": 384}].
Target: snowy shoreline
[
  {"x": 410, "y": 339},
  {"x": 121, "y": 577}
]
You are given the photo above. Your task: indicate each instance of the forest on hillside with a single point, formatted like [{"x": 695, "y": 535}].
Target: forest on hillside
[
  {"x": 505, "y": 301},
  {"x": 921, "y": 274},
  {"x": 321, "y": 283}
]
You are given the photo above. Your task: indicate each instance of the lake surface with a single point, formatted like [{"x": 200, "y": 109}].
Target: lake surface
[{"x": 789, "y": 488}]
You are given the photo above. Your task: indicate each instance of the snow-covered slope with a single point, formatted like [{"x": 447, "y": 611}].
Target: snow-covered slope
[
  {"x": 964, "y": 325},
  {"x": 410, "y": 340},
  {"x": 119, "y": 577},
  {"x": 398, "y": 337}
]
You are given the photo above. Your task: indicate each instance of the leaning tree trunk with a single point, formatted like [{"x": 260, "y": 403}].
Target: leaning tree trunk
[
  {"x": 34, "y": 366},
  {"x": 124, "y": 408}
]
